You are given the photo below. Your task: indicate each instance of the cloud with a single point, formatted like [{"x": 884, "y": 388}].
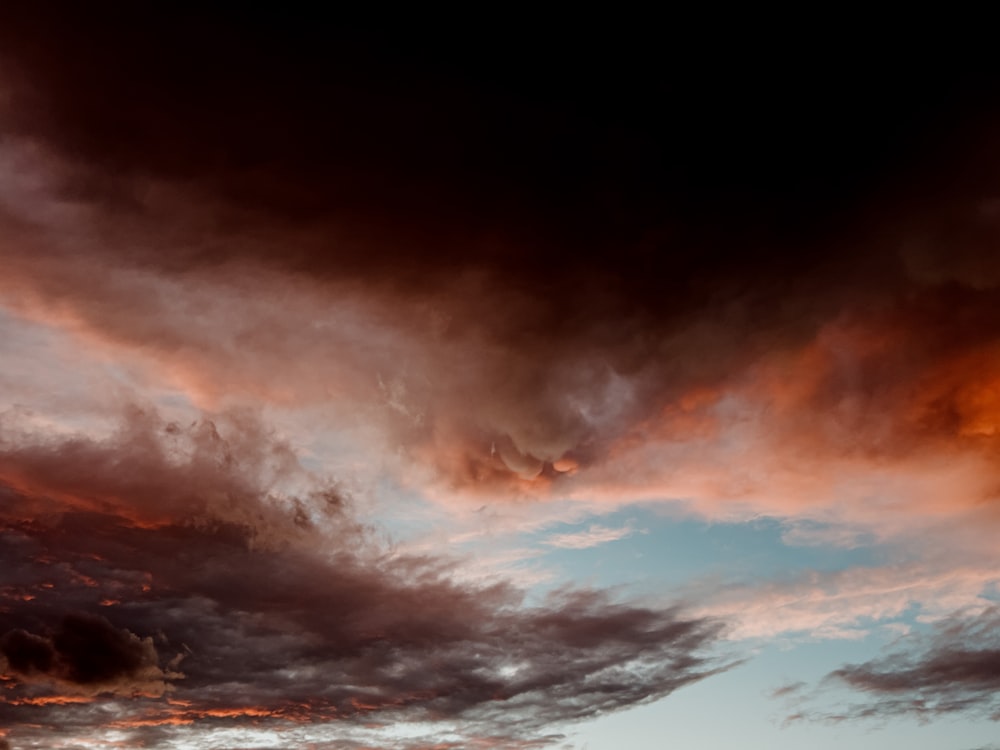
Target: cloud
[
  {"x": 561, "y": 334},
  {"x": 86, "y": 654},
  {"x": 166, "y": 550},
  {"x": 494, "y": 299},
  {"x": 595, "y": 535},
  {"x": 785, "y": 691},
  {"x": 954, "y": 670},
  {"x": 844, "y": 603},
  {"x": 849, "y": 401}
]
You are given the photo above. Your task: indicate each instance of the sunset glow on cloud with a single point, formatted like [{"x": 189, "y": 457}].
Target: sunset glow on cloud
[{"x": 363, "y": 390}]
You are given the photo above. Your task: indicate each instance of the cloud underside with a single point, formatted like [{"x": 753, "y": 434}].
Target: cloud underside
[
  {"x": 851, "y": 389},
  {"x": 270, "y": 233},
  {"x": 134, "y": 600}
]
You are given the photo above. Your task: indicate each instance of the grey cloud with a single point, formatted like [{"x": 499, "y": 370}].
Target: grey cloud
[
  {"x": 85, "y": 653},
  {"x": 955, "y": 670},
  {"x": 317, "y": 626}
]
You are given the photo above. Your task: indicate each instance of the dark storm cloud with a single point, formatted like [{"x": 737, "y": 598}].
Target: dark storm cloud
[
  {"x": 86, "y": 653},
  {"x": 622, "y": 166},
  {"x": 290, "y": 623},
  {"x": 550, "y": 242},
  {"x": 580, "y": 262}
]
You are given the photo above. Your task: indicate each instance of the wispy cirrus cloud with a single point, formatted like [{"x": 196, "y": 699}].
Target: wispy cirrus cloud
[
  {"x": 952, "y": 670},
  {"x": 593, "y": 536},
  {"x": 847, "y": 603}
]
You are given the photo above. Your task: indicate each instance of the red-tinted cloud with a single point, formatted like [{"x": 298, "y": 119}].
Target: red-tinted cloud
[
  {"x": 511, "y": 285},
  {"x": 237, "y": 605},
  {"x": 587, "y": 275}
]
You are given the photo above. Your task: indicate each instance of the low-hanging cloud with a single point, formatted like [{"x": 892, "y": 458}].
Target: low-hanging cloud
[
  {"x": 201, "y": 615},
  {"x": 86, "y": 654}
]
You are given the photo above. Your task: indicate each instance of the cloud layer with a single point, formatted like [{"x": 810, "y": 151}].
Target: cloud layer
[
  {"x": 158, "y": 579},
  {"x": 730, "y": 292}
]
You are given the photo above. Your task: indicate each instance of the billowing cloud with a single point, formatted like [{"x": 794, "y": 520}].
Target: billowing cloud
[
  {"x": 511, "y": 326},
  {"x": 851, "y": 389},
  {"x": 235, "y": 603},
  {"x": 85, "y": 653},
  {"x": 411, "y": 262}
]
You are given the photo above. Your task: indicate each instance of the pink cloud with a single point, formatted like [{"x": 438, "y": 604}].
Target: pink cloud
[{"x": 594, "y": 536}]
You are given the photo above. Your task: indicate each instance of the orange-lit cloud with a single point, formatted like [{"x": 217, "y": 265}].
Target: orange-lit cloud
[
  {"x": 307, "y": 267},
  {"x": 854, "y": 390}
]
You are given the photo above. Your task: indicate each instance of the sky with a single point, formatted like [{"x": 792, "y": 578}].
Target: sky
[{"x": 494, "y": 383}]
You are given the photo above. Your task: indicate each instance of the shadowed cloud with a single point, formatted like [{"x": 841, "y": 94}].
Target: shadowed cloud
[
  {"x": 528, "y": 296},
  {"x": 581, "y": 267},
  {"x": 955, "y": 669},
  {"x": 205, "y": 616},
  {"x": 85, "y": 653}
]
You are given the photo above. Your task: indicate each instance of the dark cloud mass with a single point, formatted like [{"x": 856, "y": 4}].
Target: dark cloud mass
[
  {"x": 84, "y": 651},
  {"x": 535, "y": 247},
  {"x": 508, "y": 260},
  {"x": 954, "y": 670},
  {"x": 198, "y": 617},
  {"x": 507, "y": 323}
]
